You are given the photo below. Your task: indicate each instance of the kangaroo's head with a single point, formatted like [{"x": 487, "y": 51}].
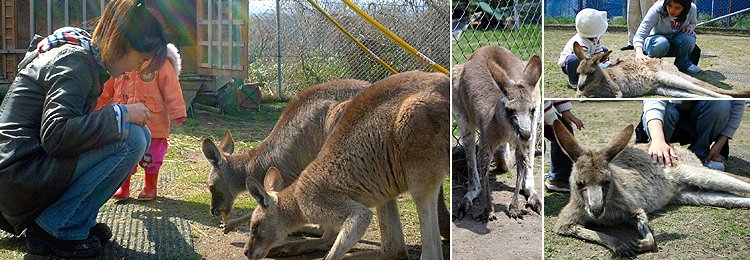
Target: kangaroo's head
[
  {"x": 592, "y": 81},
  {"x": 222, "y": 174},
  {"x": 267, "y": 227},
  {"x": 591, "y": 182},
  {"x": 517, "y": 103}
]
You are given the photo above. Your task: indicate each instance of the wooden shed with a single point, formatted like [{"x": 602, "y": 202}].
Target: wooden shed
[{"x": 210, "y": 34}]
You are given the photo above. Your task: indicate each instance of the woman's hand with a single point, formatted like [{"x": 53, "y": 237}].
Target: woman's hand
[
  {"x": 661, "y": 153},
  {"x": 138, "y": 114},
  {"x": 688, "y": 30},
  {"x": 639, "y": 56}
]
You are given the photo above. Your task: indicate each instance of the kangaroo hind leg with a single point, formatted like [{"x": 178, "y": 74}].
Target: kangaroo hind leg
[
  {"x": 426, "y": 197},
  {"x": 711, "y": 198}
]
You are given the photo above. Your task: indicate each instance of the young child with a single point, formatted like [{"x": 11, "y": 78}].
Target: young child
[
  {"x": 560, "y": 163},
  {"x": 161, "y": 93},
  {"x": 591, "y": 24},
  {"x": 668, "y": 29}
]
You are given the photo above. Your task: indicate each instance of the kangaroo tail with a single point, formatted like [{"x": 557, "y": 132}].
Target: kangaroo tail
[
  {"x": 711, "y": 198},
  {"x": 710, "y": 179}
]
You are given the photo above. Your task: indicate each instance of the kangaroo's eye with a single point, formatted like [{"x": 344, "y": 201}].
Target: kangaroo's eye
[
  {"x": 605, "y": 183},
  {"x": 580, "y": 185}
]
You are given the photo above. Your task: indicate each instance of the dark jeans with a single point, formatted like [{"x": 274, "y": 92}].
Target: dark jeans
[
  {"x": 560, "y": 164},
  {"x": 570, "y": 66}
]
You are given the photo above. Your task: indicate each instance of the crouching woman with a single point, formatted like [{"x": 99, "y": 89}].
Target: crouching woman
[{"x": 60, "y": 161}]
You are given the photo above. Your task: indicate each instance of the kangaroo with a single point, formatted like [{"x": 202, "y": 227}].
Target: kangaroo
[
  {"x": 620, "y": 184},
  {"x": 496, "y": 93},
  {"x": 632, "y": 78},
  {"x": 391, "y": 139},
  {"x": 294, "y": 141}
]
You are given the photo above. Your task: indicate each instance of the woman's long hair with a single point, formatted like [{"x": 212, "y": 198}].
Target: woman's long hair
[{"x": 686, "y": 5}]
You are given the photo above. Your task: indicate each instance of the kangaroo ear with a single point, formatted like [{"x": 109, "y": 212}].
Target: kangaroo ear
[
  {"x": 601, "y": 57},
  {"x": 578, "y": 50},
  {"x": 273, "y": 180},
  {"x": 211, "y": 152},
  {"x": 533, "y": 71},
  {"x": 618, "y": 143},
  {"x": 499, "y": 75},
  {"x": 258, "y": 193},
  {"x": 566, "y": 141},
  {"x": 227, "y": 142}
]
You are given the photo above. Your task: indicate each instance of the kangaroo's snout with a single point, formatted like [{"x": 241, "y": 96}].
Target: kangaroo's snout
[{"x": 594, "y": 201}]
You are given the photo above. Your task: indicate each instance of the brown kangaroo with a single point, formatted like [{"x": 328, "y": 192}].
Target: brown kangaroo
[
  {"x": 391, "y": 139},
  {"x": 496, "y": 93},
  {"x": 620, "y": 184}
]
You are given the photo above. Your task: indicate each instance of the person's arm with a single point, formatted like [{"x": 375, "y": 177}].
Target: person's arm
[
  {"x": 659, "y": 150},
  {"x": 735, "y": 117},
  {"x": 691, "y": 21},
  {"x": 644, "y": 30},
  {"x": 67, "y": 128},
  {"x": 564, "y": 107},
  {"x": 172, "y": 93}
]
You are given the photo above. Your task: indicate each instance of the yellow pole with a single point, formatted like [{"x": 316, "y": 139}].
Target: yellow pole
[
  {"x": 395, "y": 38},
  {"x": 361, "y": 46}
]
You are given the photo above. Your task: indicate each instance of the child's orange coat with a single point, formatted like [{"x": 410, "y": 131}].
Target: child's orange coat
[{"x": 162, "y": 96}]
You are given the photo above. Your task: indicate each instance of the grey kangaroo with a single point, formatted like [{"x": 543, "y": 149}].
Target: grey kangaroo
[
  {"x": 619, "y": 184},
  {"x": 496, "y": 93},
  {"x": 632, "y": 78},
  {"x": 391, "y": 139}
]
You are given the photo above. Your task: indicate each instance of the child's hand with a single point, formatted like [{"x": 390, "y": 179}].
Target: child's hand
[
  {"x": 688, "y": 30},
  {"x": 572, "y": 119}
]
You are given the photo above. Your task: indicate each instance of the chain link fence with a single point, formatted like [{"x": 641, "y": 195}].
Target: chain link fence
[
  {"x": 513, "y": 24},
  {"x": 313, "y": 50},
  {"x": 734, "y": 13}
]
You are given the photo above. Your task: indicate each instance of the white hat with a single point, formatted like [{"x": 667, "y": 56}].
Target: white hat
[{"x": 591, "y": 23}]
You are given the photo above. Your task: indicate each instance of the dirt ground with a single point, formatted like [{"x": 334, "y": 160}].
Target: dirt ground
[{"x": 504, "y": 238}]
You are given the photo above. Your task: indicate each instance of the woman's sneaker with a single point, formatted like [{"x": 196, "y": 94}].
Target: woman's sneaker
[
  {"x": 557, "y": 185},
  {"x": 39, "y": 242},
  {"x": 693, "y": 69}
]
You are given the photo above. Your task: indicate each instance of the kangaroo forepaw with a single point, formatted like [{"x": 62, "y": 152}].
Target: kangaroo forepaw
[
  {"x": 626, "y": 249},
  {"x": 646, "y": 245},
  {"x": 463, "y": 208}
]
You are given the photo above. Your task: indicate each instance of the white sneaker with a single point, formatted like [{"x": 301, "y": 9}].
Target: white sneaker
[
  {"x": 715, "y": 165},
  {"x": 693, "y": 69}
]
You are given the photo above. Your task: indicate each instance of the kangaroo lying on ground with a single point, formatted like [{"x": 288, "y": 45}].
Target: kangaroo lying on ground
[
  {"x": 496, "y": 93},
  {"x": 632, "y": 78},
  {"x": 619, "y": 183},
  {"x": 391, "y": 139}
]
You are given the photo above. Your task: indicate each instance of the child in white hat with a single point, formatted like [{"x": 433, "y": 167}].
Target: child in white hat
[{"x": 591, "y": 24}]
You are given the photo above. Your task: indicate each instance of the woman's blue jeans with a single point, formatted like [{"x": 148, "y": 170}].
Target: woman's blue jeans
[{"x": 97, "y": 176}]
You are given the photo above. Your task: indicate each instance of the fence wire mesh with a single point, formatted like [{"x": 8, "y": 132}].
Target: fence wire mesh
[
  {"x": 313, "y": 50},
  {"x": 513, "y": 24},
  {"x": 564, "y": 11}
]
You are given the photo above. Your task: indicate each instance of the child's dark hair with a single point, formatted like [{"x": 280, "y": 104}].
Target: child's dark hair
[
  {"x": 686, "y": 5},
  {"x": 129, "y": 25}
]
